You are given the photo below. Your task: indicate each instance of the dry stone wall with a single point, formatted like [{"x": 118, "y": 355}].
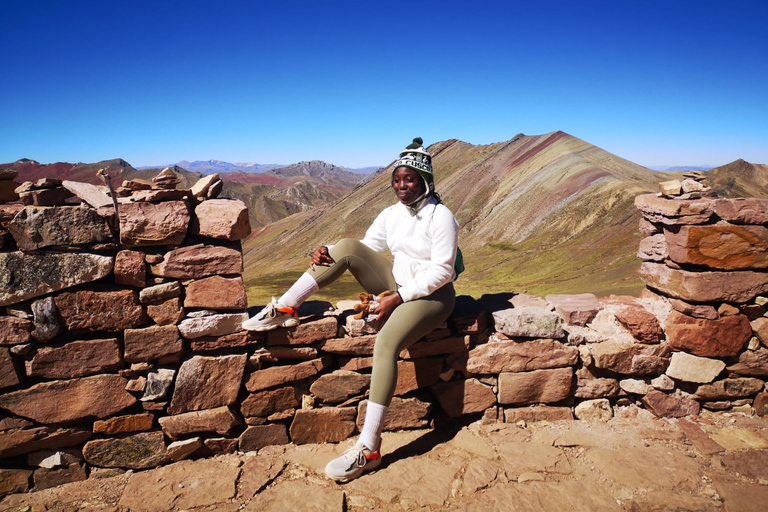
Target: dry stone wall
[{"x": 121, "y": 344}]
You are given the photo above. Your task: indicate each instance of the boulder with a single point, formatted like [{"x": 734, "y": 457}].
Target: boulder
[
  {"x": 86, "y": 311},
  {"x": 219, "y": 419},
  {"x": 61, "y": 401},
  {"x": 719, "y": 246},
  {"x": 540, "y": 386},
  {"x": 575, "y": 309},
  {"x": 34, "y": 228},
  {"x": 205, "y": 382},
  {"x": 726, "y": 286},
  {"x": 690, "y": 368},
  {"x": 459, "y": 397},
  {"x": 216, "y": 292},
  {"x": 510, "y": 356},
  {"x": 326, "y": 425},
  {"x": 138, "y": 451},
  {"x": 147, "y": 224},
  {"x": 26, "y": 276},
  {"x": 225, "y": 219},
  {"x": 75, "y": 359},
  {"x": 708, "y": 338},
  {"x": 530, "y": 322},
  {"x": 197, "y": 261}
]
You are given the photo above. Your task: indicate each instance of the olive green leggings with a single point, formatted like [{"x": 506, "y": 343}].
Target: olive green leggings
[{"x": 408, "y": 322}]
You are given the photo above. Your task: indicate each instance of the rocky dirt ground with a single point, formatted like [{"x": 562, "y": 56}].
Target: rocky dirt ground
[{"x": 634, "y": 462}]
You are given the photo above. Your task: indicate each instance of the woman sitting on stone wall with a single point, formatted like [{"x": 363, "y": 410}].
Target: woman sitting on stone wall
[{"x": 421, "y": 233}]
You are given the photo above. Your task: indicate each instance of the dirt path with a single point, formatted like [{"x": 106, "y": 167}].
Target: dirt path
[{"x": 634, "y": 462}]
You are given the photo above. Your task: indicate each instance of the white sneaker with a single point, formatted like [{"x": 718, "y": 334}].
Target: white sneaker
[
  {"x": 272, "y": 317},
  {"x": 353, "y": 462}
]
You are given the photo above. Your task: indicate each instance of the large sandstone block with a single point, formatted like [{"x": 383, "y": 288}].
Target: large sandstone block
[
  {"x": 529, "y": 322},
  {"x": 728, "y": 389},
  {"x": 674, "y": 211},
  {"x": 34, "y": 227},
  {"x": 225, "y": 219},
  {"x": 305, "y": 333},
  {"x": 630, "y": 359},
  {"x": 460, "y": 397},
  {"x": 540, "y": 386},
  {"x": 690, "y": 368},
  {"x": 257, "y": 437},
  {"x": 575, "y": 309},
  {"x": 167, "y": 312},
  {"x": 86, "y": 310},
  {"x": 326, "y": 425},
  {"x": 726, "y": 246},
  {"x": 265, "y": 403},
  {"x": 205, "y": 382},
  {"x": 216, "y": 292},
  {"x": 643, "y": 324},
  {"x": 152, "y": 343},
  {"x": 510, "y": 356},
  {"x": 219, "y": 419},
  {"x": 751, "y": 210},
  {"x": 653, "y": 248},
  {"x": 25, "y": 276},
  {"x": 19, "y": 441},
  {"x": 90, "y": 194},
  {"x": 196, "y": 261},
  {"x": 277, "y": 375},
  {"x": 734, "y": 287},
  {"x": 417, "y": 373},
  {"x": 131, "y": 269},
  {"x": 139, "y": 451},
  {"x": 537, "y": 413},
  {"x": 14, "y": 330},
  {"x": 228, "y": 341},
  {"x": 337, "y": 386},
  {"x": 212, "y": 325},
  {"x": 708, "y": 338},
  {"x": 402, "y": 413},
  {"x": 14, "y": 480},
  {"x": 9, "y": 373},
  {"x": 146, "y": 224},
  {"x": 75, "y": 359},
  {"x": 350, "y": 346},
  {"x": 751, "y": 363},
  {"x": 124, "y": 424},
  {"x": 60, "y": 401}
]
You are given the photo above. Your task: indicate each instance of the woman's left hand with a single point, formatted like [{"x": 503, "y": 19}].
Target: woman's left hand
[{"x": 387, "y": 305}]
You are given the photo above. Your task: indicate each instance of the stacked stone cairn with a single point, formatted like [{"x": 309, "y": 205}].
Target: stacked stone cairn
[{"x": 121, "y": 344}]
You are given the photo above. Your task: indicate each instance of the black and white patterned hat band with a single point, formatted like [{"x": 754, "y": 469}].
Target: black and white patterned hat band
[{"x": 415, "y": 157}]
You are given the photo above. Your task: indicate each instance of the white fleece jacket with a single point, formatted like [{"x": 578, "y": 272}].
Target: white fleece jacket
[{"x": 423, "y": 244}]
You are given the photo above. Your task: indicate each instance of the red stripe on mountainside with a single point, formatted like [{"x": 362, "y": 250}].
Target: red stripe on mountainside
[{"x": 535, "y": 145}]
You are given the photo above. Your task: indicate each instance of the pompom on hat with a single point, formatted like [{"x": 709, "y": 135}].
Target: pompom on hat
[{"x": 420, "y": 160}]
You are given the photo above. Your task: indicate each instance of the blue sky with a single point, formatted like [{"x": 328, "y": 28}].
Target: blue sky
[{"x": 351, "y": 83}]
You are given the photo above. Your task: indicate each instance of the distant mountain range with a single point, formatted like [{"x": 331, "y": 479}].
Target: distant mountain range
[
  {"x": 219, "y": 166},
  {"x": 679, "y": 168}
]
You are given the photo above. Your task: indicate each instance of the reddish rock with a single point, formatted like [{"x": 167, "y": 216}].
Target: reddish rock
[
  {"x": 674, "y": 211},
  {"x": 728, "y": 389},
  {"x": 510, "y": 356},
  {"x": 234, "y": 340},
  {"x": 197, "y": 261},
  {"x": 537, "y": 413},
  {"x": 152, "y": 343},
  {"x": 75, "y": 359},
  {"x": 14, "y": 480},
  {"x": 13, "y": 422},
  {"x": 160, "y": 292},
  {"x": 139, "y": 451},
  {"x": 666, "y": 405},
  {"x": 86, "y": 310},
  {"x": 9, "y": 373},
  {"x": 14, "y": 330},
  {"x": 326, "y": 425},
  {"x": 591, "y": 387},
  {"x": 418, "y": 373},
  {"x": 167, "y": 312},
  {"x": 694, "y": 310},
  {"x": 304, "y": 334},
  {"x": 737, "y": 286},
  {"x": 219, "y": 420},
  {"x": 575, "y": 309},
  {"x": 257, "y": 437},
  {"x": 760, "y": 404},
  {"x": 708, "y": 338},
  {"x": 60, "y": 401},
  {"x": 17, "y": 442},
  {"x": 700, "y": 440},
  {"x": 540, "y": 386},
  {"x": 265, "y": 403},
  {"x": 277, "y": 375},
  {"x": 751, "y": 363},
  {"x": 146, "y": 224},
  {"x": 56, "y": 196},
  {"x": 45, "y": 478},
  {"x": 355, "y": 364},
  {"x": 337, "y": 386},
  {"x": 36, "y": 274},
  {"x": 180, "y": 450},
  {"x": 643, "y": 325},
  {"x": 401, "y": 414},
  {"x": 131, "y": 269},
  {"x": 435, "y": 348},
  {"x": 123, "y": 424},
  {"x": 291, "y": 353},
  {"x": 8, "y": 192},
  {"x": 760, "y": 328},
  {"x": 225, "y": 219},
  {"x": 653, "y": 248},
  {"x": 216, "y": 292},
  {"x": 630, "y": 359},
  {"x": 220, "y": 445},
  {"x": 460, "y": 397},
  {"x": 205, "y": 382},
  {"x": 350, "y": 346},
  {"x": 726, "y": 246},
  {"x": 750, "y": 210},
  {"x": 34, "y": 228}
]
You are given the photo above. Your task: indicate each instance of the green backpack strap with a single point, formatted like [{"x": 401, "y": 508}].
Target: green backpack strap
[{"x": 458, "y": 267}]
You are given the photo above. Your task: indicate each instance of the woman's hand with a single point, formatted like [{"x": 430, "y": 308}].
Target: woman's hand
[
  {"x": 387, "y": 305},
  {"x": 321, "y": 257}
]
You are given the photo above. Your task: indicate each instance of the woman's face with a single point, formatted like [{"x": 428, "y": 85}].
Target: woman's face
[{"x": 408, "y": 184}]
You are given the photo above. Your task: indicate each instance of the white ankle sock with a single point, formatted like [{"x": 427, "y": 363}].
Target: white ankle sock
[
  {"x": 373, "y": 425},
  {"x": 300, "y": 291}
]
